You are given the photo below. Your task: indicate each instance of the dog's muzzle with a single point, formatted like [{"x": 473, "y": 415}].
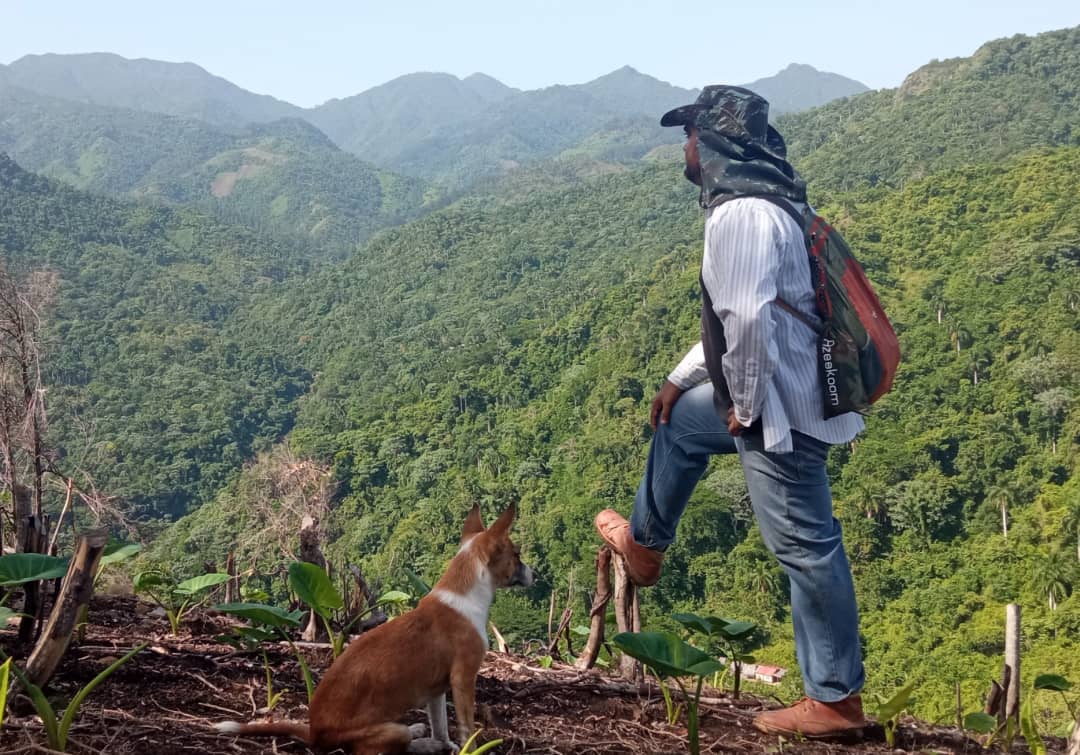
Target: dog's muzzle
[{"x": 523, "y": 576}]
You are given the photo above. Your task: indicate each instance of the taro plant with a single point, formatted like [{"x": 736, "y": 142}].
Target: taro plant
[
  {"x": 1061, "y": 685},
  {"x": 889, "y": 710},
  {"x": 669, "y": 656},
  {"x": 313, "y": 586},
  {"x": 177, "y": 599},
  {"x": 734, "y": 639},
  {"x": 57, "y": 730},
  {"x": 267, "y": 623}
]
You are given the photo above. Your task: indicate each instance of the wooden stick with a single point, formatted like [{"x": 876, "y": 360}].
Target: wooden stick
[
  {"x": 629, "y": 668},
  {"x": 1012, "y": 659},
  {"x": 1074, "y": 740},
  {"x": 76, "y": 591},
  {"x": 598, "y": 611}
]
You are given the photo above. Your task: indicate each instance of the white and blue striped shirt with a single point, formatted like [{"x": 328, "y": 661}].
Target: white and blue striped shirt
[{"x": 754, "y": 253}]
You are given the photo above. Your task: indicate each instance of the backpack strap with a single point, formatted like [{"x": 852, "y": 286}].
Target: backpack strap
[
  {"x": 817, "y": 327},
  {"x": 789, "y": 208}
]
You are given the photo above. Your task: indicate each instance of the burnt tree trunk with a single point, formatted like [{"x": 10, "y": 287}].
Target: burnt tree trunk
[
  {"x": 77, "y": 589},
  {"x": 35, "y": 540}
]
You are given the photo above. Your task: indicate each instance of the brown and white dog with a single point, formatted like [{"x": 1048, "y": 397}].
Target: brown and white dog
[{"x": 413, "y": 660}]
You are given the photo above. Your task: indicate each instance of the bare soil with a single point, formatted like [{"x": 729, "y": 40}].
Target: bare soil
[{"x": 166, "y": 699}]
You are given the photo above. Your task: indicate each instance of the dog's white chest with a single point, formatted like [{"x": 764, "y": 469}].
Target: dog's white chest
[{"x": 473, "y": 605}]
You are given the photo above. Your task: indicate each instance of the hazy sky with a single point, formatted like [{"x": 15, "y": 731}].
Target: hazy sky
[{"x": 308, "y": 52}]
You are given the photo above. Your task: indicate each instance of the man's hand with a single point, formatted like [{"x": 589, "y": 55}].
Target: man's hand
[
  {"x": 661, "y": 405},
  {"x": 733, "y": 425}
]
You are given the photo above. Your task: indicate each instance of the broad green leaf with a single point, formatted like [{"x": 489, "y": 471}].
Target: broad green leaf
[
  {"x": 1029, "y": 729},
  {"x": 667, "y": 654},
  {"x": 707, "y": 625},
  {"x": 745, "y": 658},
  {"x": 148, "y": 579},
  {"x": 5, "y": 614},
  {"x": 421, "y": 587},
  {"x": 312, "y": 586},
  {"x": 1052, "y": 682},
  {"x": 980, "y": 722},
  {"x": 200, "y": 583},
  {"x": 19, "y": 568},
  {"x": 262, "y": 614},
  {"x": 892, "y": 707},
  {"x": 395, "y": 596},
  {"x": 581, "y": 630},
  {"x": 118, "y": 552},
  {"x": 737, "y": 630}
]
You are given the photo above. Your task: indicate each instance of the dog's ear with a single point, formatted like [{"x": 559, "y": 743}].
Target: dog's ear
[
  {"x": 502, "y": 524},
  {"x": 474, "y": 525}
]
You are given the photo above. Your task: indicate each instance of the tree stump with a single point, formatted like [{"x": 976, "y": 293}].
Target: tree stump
[
  {"x": 78, "y": 586},
  {"x": 627, "y": 616}
]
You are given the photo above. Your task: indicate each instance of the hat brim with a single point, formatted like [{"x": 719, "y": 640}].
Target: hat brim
[{"x": 681, "y": 116}]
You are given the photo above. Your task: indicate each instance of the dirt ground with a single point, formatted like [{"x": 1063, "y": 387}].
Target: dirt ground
[{"x": 166, "y": 699}]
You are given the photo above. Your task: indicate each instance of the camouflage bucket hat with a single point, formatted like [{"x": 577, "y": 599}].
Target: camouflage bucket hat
[{"x": 734, "y": 112}]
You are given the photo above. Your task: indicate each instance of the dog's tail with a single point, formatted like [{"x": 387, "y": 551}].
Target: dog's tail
[{"x": 267, "y": 729}]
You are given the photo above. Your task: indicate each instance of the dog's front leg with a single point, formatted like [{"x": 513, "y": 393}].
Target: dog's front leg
[
  {"x": 463, "y": 685},
  {"x": 436, "y": 712}
]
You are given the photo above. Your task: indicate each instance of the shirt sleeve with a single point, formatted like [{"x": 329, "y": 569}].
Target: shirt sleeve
[
  {"x": 691, "y": 370},
  {"x": 739, "y": 270}
]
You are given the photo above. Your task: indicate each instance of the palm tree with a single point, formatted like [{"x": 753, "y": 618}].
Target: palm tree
[
  {"x": 764, "y": 579},
  {"x": 1002, "y": 497},
  {"x": 1051, "y": 580}
]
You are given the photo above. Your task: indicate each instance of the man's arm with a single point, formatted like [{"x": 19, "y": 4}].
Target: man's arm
[
  {"x": 691, "y": 370},
  {"x": 739, "y": 269}
]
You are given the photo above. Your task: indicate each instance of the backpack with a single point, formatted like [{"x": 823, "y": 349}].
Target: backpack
[{"x": 857, "y": 346}]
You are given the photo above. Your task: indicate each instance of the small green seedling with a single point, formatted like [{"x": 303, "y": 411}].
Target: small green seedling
[
  {"x": 889, "y": 711},
  {"x": 267, "y": 623},
  {"x": 57, "y": 731},
  {"x": 1059, "y": 684},
  {"x": 468, "y": 748},
  {"x": 5, "y": 672},
  {"x": 670, "y": 656},
  {"x": 177, "y": 599},
  {"x": 312, "y": 585},
  {"x": 734, "y": 639}
]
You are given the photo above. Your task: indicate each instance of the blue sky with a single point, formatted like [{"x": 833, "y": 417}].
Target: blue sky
[{"x": 308, "y": 52}]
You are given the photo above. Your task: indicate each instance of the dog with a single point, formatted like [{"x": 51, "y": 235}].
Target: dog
[{"x": 413, "y": 660}]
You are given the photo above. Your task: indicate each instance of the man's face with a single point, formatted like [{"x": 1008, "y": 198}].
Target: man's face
[{"x": 693, "y": 159}]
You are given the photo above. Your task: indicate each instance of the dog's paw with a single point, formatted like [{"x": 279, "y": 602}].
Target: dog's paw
[
  {"x": 430, "y": 746},
  {"x": 417, "y": 730}
]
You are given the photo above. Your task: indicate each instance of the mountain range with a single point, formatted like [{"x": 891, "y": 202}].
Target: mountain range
[{"x": 428, "y": 125}]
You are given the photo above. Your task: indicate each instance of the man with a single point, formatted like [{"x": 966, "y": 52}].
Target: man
[{"x": 763, "y": 401}]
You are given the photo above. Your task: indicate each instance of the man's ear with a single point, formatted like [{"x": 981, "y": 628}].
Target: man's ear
[
  {"x": 502, "y": 524},
  {"x": 474, "y": 525}
]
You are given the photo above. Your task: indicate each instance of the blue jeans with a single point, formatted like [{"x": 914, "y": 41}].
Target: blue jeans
[{"x": 793, "y": 507}]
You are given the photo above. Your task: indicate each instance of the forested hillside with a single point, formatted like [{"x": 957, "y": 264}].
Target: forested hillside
[
  {"x": 284, "y": 177},
  {"x": 1011, "y": 94},
  {"x": 147, "y": 392}
]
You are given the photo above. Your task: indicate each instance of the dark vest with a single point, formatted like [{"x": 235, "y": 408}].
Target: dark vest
[{"x": 715, "y": 346}]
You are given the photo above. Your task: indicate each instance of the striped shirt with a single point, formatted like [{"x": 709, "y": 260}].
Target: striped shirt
[{"x": 754, "y": 253}]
